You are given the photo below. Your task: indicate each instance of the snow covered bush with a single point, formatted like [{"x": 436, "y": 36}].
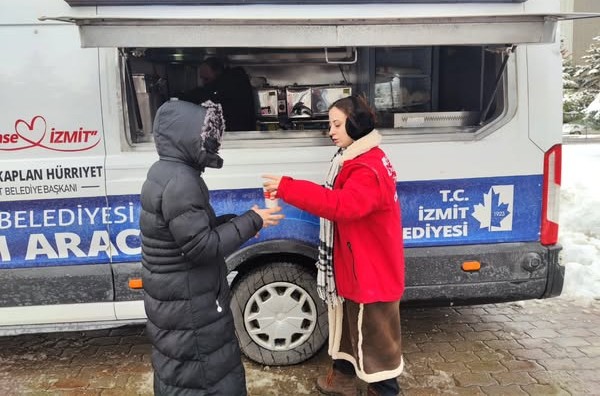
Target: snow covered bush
[
  {"x": 581, "y": 85},
  {"x": 592, "y": 114},
  {"x": 588, "y": 74}
]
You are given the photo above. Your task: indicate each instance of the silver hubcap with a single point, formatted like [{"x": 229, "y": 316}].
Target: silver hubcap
[{"x": 280, "y": 316}]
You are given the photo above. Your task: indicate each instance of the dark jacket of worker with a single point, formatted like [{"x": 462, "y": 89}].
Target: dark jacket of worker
[
  {"x": 232, "y": 89},
  {"x": 190, "y": 325}
]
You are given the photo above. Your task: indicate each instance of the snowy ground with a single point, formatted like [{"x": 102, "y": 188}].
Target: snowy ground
[{"x": 580, "y": 219}]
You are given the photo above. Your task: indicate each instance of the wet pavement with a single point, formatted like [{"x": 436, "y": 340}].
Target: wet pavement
[{"x": 549, "y": 347}]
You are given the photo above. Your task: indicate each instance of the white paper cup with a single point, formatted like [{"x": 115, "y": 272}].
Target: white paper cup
[{"x": 270, "y": 202}]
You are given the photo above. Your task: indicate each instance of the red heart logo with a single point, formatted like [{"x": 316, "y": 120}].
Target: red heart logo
[{"x": 32, "y": 132}]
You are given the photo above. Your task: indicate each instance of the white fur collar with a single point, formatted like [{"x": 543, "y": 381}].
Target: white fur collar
[{"x": 362, "y": 145}]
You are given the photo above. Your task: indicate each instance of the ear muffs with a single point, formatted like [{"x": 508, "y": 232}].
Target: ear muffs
[{"x": 360, "y": 123}]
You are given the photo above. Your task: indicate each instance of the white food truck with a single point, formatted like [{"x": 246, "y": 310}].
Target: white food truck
[{"x": 468, "y": 98}]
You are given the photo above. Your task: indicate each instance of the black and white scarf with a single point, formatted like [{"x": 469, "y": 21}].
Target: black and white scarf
[{"x": 325, "y": 277}]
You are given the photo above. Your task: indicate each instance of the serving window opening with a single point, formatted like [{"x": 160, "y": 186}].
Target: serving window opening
[{"x": 269, "y": 93}]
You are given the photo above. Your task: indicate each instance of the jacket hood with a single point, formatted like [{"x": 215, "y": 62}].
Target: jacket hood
[{"x": 188, "y": 133}]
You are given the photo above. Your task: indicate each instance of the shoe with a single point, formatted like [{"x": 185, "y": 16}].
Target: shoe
[
  {"x": 374, "y": 392},
  {"x": 337, "y": 383},
  {"x": 371, "y": 391}
]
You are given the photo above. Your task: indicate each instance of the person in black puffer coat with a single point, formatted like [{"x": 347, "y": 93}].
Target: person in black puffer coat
[{"x": 184, "y": 245}]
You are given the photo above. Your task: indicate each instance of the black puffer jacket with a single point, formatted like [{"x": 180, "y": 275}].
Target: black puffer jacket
[{"x": 195, "y": 351}]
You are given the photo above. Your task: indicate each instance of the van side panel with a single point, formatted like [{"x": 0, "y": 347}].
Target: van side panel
[
  {"x": 509, "y": 272},
  {"x": 52, "y": 154},
  {"x": 55, "y": 285},
  {"x": 544, "y": 86}
]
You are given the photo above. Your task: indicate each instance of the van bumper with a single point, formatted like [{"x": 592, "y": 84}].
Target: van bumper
[
  {"x": 509, "y": 272},
  {"x": 556, "y": 275}
]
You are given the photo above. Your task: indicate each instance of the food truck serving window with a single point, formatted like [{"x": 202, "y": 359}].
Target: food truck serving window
[{"x": 286, "y": 93}]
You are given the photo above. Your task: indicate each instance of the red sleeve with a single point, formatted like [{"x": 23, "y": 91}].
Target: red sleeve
[{"x": 359, "y": 196}]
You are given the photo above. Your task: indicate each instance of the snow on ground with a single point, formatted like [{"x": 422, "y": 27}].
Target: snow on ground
[{"x": 580, "y": 219}]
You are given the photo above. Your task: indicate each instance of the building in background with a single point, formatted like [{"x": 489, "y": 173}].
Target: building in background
[{"x": 577, "y": 36}]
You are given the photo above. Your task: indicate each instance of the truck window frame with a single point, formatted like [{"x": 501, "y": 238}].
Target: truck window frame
[{"x": 506, "y": 97}]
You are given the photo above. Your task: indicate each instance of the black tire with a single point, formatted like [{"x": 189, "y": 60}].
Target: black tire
[{"x": 278, "y": 279}]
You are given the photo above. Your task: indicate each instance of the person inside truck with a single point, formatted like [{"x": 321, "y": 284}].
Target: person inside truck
[
  {"x": 184, "y": 245},
  {"x": 230, "y": 87},
  {"x": 361, "y": 255}
]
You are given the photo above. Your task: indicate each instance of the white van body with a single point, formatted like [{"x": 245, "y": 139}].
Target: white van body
[{"x": 483, "y": 191}]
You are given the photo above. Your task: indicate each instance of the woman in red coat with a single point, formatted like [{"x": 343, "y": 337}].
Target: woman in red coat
[{"x": 361, "y": 257}]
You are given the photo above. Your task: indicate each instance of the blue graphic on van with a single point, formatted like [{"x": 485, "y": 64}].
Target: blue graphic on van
[
  {"x": 482, "y": 210},
  {"x": 91, "y": 230},
  {"x": 100, "y": 230}
]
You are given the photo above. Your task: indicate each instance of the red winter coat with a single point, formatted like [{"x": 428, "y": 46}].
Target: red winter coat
[{"x": 368, "y": 253}]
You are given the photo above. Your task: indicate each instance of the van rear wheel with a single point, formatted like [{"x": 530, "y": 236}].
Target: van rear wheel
[{"x": 279, "y": 317}]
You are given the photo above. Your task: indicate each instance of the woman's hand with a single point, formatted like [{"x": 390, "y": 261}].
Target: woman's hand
[
  {"x": 271, "y": 183},
  {"x": 268, "y": 215}
]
